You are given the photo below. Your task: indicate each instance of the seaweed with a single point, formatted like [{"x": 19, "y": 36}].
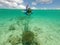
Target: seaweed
[
  {"x": 20, "y": 21},
  {"x": 14, "y": 40},
  {"x": 12, "y": 27},
  {"x": 27, "y": 38}
]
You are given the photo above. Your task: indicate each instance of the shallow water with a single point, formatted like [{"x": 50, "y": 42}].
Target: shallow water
[{"x": 45, "y": 24}]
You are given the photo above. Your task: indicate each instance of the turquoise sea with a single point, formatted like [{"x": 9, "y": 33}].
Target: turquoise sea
[{"x": 45, "y": 24}]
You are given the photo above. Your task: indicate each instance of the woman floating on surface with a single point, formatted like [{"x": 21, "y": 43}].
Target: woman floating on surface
[{"x": 28, "y": 10}]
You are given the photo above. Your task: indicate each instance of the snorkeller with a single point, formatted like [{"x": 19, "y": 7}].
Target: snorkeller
[{"x": 28, "y": 10}]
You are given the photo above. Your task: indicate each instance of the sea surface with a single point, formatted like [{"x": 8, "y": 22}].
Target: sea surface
[{"x": 45, "y": 24}]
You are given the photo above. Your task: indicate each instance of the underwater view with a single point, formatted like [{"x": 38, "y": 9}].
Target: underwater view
[{"x": 41, "y": 27}]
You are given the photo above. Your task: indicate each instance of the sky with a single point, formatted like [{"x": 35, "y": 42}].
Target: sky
[{"x": 34, "y": 4}]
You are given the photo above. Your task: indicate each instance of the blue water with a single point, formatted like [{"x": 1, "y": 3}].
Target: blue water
[{"x": 44, "y": 23}]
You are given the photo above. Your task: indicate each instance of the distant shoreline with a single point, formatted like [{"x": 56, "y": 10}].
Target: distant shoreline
[{"x": 32, "y": 9}]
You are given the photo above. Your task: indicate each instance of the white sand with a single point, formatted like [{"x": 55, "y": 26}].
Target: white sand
[{"x": 47, "y": 31}]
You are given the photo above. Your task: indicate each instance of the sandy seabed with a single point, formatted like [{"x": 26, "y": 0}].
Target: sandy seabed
[{"x": 46, "y": 31}]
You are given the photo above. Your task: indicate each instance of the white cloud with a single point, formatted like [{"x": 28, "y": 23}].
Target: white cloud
[
  {"x": 33, "y": 8},
  {"x": 11, "y": 3},
  {"x": 44, "y": 1},
  {"x": 21, "y": 7},
  {"x": 17, "y": 1},
  {"x": 34, "y": 3}
]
